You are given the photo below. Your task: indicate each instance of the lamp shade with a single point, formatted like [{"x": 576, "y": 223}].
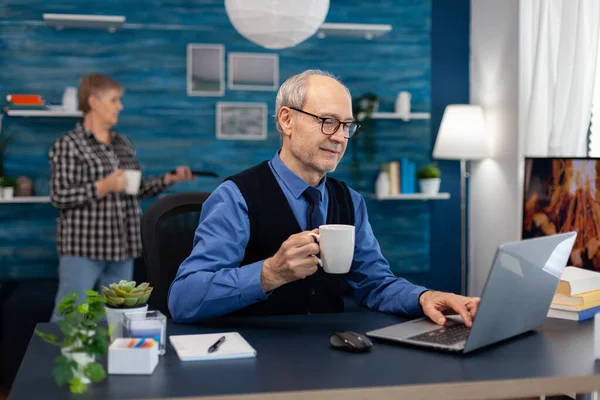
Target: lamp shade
[
  {"x": 277, "y": 24},
  {"x": 462, "y": 134}
]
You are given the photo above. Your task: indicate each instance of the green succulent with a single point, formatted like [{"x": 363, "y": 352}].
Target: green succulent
[
  {"x": 428, "y": 172},
  {"x": 125, "y": 294}
]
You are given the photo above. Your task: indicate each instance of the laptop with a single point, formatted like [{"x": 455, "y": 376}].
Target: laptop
[{"x": 516, "y": 298}]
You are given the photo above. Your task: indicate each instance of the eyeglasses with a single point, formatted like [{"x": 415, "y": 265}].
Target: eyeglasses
[{"x": 330, "y": 125}]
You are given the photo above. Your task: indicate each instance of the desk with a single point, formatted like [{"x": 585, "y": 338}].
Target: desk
[{"x": 295, "y": 361}]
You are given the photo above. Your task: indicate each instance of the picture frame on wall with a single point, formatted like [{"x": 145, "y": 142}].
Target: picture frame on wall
[
  {"x": 205, "y": 69},
  {"x": 253, "y": 71},
  {"x": 241, "y": 121}
]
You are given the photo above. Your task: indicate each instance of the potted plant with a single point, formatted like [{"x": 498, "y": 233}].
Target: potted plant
[
  {"x": 429, "y": 179},
  {"x": 82, "y": 344},
  {"x": 364, "y": 140},
  {"x": 8, "y": 185},
  {"x": 124, "y": 297}
]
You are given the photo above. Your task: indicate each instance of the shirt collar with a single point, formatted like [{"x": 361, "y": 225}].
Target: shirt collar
[
  {"x": 89, "y": 133},
  {"x": 293, "y": 182}
]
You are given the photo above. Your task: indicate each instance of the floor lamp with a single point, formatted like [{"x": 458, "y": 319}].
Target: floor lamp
[{"x": 462, "y": 137}]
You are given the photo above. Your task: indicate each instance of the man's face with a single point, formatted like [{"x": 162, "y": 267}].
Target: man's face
[
  {"x": 107, "y": 106},
  {"x": 321, "y": 153}
]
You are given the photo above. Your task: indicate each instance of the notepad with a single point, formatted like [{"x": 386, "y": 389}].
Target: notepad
[{"x": 195, "y": 347}]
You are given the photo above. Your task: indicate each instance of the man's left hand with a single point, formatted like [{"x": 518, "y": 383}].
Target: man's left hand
[
  {"x": 435, "y": 303},
  {"x": 182, "y": 173}
]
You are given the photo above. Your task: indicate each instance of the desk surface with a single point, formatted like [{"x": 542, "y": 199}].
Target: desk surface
[{"x": 295, "y": 361}]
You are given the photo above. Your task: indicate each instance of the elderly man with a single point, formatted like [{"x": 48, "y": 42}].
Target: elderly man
[{"x": 253, "y": 254}]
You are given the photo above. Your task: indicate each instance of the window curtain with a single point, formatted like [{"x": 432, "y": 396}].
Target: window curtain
[{"x": 559, "y": 42}]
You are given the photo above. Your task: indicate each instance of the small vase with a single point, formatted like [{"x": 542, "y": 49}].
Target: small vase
[
  {"x": 82, "y": 359},
  {"x": 430, "y": 186},
  {"x": 8, "y": 193},
  {"x": 114, "y": 317}
]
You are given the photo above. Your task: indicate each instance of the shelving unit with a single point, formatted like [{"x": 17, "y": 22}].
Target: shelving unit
[
  {"x": 366, "y": 31},
  {"x": 413, "y": 196},
  {"x": 44, "y": 113},
  {"x": 30, "y": 199},
  {"x": 391, "y": 115}
]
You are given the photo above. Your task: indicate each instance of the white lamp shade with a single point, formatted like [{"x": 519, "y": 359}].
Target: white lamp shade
[
  {"x": 277, "y": 24},
  {"x": 462, "y": 134}
]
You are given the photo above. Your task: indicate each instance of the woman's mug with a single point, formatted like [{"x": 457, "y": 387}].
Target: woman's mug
[{"x": 336, "y": 243}]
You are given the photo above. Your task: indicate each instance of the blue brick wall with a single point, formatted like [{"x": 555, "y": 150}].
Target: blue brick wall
[{"x": 169, "y": 128}]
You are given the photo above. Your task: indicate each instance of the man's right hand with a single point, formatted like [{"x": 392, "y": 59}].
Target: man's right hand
[
  {"x": 115, "y": 182},
  {"x": 296, "y": 259}
]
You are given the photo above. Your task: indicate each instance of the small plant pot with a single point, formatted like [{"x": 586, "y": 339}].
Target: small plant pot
[
  {"x": 82, "y": 359},
  {"x": 8, "y": 193},
  {"x": 430, "y": 186},
  {"x": 114, "y": 317}
]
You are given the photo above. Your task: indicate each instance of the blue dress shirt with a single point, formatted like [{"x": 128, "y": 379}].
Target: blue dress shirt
[{"x": 209, "y": 282}]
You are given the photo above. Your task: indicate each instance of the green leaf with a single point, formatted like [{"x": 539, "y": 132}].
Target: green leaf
[
  {"x": 77, "y": 386},
  {"x": 91, "y": 293},
  {"x": 67, "y": 303},
  {"x": 97, "y": 299},
  {"x": 47, "y": 337},
  {"x": 95, "y": 371},
  {"x": 97, "y": 311},
  {"x": 108, "y": 292},
  {"x": 117, "y": 301},
  {"x": 83, "y": 308},
  {"x": 62, "y": 371},
  {"x": 130, "y": 302}
]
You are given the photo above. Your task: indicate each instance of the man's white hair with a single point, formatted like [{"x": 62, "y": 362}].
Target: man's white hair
[{"x": 292, "y": 92}]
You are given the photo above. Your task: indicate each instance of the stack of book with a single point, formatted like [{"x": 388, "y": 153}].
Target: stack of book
[
  {"x": 401, "y": 176},
  {"x": 578, "y": 295},
  {"x": 24, "y": 102}
]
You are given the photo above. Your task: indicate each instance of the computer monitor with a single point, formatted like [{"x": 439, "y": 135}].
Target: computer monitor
[{"x": 560, "y": 196}]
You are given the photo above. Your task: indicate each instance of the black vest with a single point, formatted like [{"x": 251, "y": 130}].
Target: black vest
[{"x": 272, "y": 222}]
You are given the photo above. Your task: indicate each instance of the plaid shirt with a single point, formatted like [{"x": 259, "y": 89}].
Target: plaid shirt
[{"x": 100, "y": 229}]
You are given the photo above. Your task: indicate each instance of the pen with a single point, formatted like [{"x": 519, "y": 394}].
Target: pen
[{"x": 216, "y": 345}]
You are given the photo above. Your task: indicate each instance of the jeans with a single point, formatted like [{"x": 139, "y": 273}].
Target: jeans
[{"x": 78, "y": 274}]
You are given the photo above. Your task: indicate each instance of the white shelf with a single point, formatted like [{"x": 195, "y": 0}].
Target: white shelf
[
  {"x": 414, "y": 196},
  {"x": 367, "y": 31},
  {"x": 44, "y": 113},
  {"x": 391, "y": 115},
  {"x": 31, "y": 199},
  {"x": 108, "y": 22}
]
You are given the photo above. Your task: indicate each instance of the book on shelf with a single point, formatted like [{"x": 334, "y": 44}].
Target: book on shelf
[
  {"x": 582, "y": 299},
  {"x": 576, "y": 280},
  {"x": 573, "y": 315},
  {"x": 24, "y": 99}
]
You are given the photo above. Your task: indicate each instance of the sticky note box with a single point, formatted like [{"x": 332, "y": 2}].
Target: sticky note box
[{"x": 125, "y": 360}]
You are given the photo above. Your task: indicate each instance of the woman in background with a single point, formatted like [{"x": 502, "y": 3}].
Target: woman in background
[{"x": 98, "y": 228}]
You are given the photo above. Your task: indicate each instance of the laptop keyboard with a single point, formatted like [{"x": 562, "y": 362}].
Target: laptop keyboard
[{"x": 447, "y": 335}]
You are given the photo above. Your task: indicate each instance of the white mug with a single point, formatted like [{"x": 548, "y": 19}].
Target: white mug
[
  {"x": 337, "y": 247},
  {"x": 134, "y": 178}
]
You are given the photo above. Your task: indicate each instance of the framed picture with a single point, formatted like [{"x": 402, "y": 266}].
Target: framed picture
[
  {"x": 253, "y": 71},
  {"x": 205, "y": 70},
  {"x": 241, "y": 121}
]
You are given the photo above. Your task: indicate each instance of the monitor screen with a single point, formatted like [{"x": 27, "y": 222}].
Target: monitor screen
[{"x": 560, "y": 196}]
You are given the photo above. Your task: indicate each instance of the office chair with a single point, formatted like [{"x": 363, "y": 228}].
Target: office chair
[{"x": 168, "y": 227}]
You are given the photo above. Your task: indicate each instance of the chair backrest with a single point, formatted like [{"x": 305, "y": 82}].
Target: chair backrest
[{"x": 168, "y": 228}]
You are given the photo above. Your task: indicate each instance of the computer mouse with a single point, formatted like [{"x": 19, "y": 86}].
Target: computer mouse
[{"x": 350, "y": 341}]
